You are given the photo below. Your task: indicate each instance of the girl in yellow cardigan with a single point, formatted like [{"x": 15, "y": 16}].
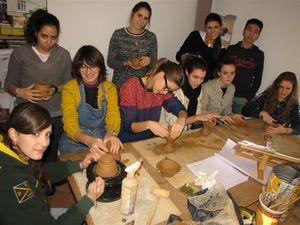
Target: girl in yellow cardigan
[{"x": 91, "y": 115}]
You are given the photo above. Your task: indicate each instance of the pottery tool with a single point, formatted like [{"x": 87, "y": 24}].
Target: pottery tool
[{"x": 160, "y": 193}]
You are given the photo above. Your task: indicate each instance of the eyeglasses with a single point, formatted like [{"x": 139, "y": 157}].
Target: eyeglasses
[
  {"x": 85, "y": 68},
  {"x": 166, "y": 88}
]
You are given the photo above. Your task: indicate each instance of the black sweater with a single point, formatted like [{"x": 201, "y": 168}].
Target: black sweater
[{"x": 249, "y": 68}]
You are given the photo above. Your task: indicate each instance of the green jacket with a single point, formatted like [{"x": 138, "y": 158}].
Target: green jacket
[{"x": 22, "y": 200}]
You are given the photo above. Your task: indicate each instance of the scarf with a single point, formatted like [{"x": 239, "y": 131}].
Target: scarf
[{"x": 192, "y": 95}]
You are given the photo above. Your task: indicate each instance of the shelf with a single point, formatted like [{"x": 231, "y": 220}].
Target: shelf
[{"x": 11, "y": 37}]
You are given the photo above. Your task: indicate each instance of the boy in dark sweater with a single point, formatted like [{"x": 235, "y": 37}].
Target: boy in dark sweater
[{"x": 249, "y": 62}]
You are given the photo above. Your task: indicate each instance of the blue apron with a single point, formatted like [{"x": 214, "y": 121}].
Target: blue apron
[{"x": 91, "y": 122}]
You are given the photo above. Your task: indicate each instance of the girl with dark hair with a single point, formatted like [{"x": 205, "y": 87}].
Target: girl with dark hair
[
  {"x": 278, "y": 106},
  {"x": 141, "y": 101},
  {"x": 133, "y": 50},
  {"x": 189, "y": 95},
  {"x": 207, "y": 44},
  {"x": 41, "y": 60},
  {"x": 25, "y": 180},
  {"x": 91, "y": 115}
]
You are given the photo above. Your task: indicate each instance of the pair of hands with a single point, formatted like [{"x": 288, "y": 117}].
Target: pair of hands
[
  {"x": 110, "y": 143},
  {"x": 272, "y": 126},
  {"x": 209, "y": 117},
  {"x": 34, "y": 96},
  {"x": 144, "y": 61},
  {"x": 96, "y": 188},
  {"x": 230, "y": 119},
  {"x": 163, "y": 131}
]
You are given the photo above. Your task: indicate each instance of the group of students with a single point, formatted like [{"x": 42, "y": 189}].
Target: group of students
[{"x": 143, "y": 99}]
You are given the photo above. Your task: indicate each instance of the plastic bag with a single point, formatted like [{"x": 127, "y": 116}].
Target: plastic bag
[{"x": 212, "y": 207}]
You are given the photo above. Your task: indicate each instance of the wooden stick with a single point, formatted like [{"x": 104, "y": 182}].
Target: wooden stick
[{"x": 282, "y": 203}]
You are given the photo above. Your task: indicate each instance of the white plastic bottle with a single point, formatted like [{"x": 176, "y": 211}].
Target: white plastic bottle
[
  {"x": 129, "y": 189},
  {"x": 128, "y": 194}
]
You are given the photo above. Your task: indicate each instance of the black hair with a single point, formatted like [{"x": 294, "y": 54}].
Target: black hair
[
  {"x": 37, "y": 20},
  {"x": 91, "y": 56},
  {"x": 140, "y": 5},
  {"x": 193, "y": 62},
  {"x": 255, "y": 21},
  {"x": 218, "y": 44}
]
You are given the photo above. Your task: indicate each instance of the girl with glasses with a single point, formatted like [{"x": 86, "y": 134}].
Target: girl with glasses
[
  {"x": 141, "y": 101},
  {"x": 90, "y": 108}
]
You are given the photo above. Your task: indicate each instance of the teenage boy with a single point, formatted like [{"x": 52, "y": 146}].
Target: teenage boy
[{"x": 249, "y": 62}]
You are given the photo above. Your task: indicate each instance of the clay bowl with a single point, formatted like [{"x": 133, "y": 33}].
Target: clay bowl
[
  {"x": 168, "y": 167},
  {"x": 135, "y": 62},
  {"x": 44, "y": 88},
  {"x": 107, "y": 166}
]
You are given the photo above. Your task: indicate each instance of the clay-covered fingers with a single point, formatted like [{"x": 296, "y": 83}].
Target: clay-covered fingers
[
  {"x": 176, "y": 130},
  {"x": 96, "y": 189},
  {"x": 99, "y": 147},
  {"x": 90, "y": 157},
  {"x": 227, "y": 119},
  {"x": 159, "y": 129},
  {"x": 116, "y": 145}
]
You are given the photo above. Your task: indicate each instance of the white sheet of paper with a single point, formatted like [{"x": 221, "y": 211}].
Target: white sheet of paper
[
  {"x": 228, "y": 176},
  {"x": 247, "y": 166}
]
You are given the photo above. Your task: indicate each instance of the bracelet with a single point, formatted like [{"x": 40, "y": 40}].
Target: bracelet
[
  {"x": 113, "y": 132},
  {"x": 55, "y": 88}
]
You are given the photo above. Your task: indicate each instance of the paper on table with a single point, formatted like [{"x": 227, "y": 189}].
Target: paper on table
[
  {"x": 228, "y": 176},
  {"x": 247, "y": 166}
]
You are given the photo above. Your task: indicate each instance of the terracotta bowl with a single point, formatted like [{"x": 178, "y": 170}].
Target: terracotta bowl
[
  {"x": 107, "y": 166},
  {"x": 168, "y": 167},
  {"x": 136, "y": 62},
  {"x": 43, "y": 87}
]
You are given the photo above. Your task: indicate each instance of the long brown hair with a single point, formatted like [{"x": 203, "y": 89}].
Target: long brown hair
[
  {"x": 272, "y": 98},
  {"x": 173, "y": 71},
  {"x": 29, "y": 118}
]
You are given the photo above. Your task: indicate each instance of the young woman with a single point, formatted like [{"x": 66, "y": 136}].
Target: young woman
[
  {"x": 141, "y": 101},
  {"x": 25, "y": 180},
  {"x": 133, "y": 50},
  {"x": 41, "y": 60},
  {"x": 90, "y": 108},
  {"x": 217, "y": 94},
  {"x": 206, "y": 44},
  {"x": 189, "y": 95},
  {"x": 278, "y": 106}
]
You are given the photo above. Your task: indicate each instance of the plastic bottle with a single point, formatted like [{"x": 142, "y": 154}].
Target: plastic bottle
[
  {"x": 129, "y": 189},
  {"x": 128, "y": 194}
]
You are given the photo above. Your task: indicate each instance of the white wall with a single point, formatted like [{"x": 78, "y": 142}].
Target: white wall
[
  {"x": 93, "y": 22},
  {"x": 280, "y": 36}
]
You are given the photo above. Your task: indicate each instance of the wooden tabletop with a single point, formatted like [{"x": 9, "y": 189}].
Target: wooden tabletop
[{"x": 245, "y": 194}]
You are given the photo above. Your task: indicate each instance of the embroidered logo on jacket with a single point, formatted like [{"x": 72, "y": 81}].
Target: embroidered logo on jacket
[{"x": 23, "y": 192}]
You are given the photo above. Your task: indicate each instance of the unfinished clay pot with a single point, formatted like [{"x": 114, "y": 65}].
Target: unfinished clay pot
[
  {"x": 44, "y": 88},
  {"x": 206, "y": 129},
  {"x": 169, "y": 146},
  {"x": 136, "y": 62},
  {"x": 168, "y": 167},
  {"x": 107, "y": 166}
]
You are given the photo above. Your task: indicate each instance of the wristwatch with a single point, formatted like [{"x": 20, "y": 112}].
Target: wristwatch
[{"x": 113, "y": 132}]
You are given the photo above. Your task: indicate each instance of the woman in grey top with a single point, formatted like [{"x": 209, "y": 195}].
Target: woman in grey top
[
  {"x": 41, "y": 60},
  {"x": 133, "y": 50}
]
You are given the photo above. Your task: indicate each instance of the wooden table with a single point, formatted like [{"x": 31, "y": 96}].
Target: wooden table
[{"x": 189, "y": 148}]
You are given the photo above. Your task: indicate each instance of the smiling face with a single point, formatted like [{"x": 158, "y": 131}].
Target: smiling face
[
  {"x": 226, "y": 74},
  {"x": 285, "y": 89},
  {"x": 139, "y": 20},
  {"x": 251, "y": 33},
  {"x": 213, "y": 29},
  {"x": 46, "y": 38},
  {"x": 31, "y": 146},
  {"x": 196, "y": 77},
  {"x": 89, "y": 74}
]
